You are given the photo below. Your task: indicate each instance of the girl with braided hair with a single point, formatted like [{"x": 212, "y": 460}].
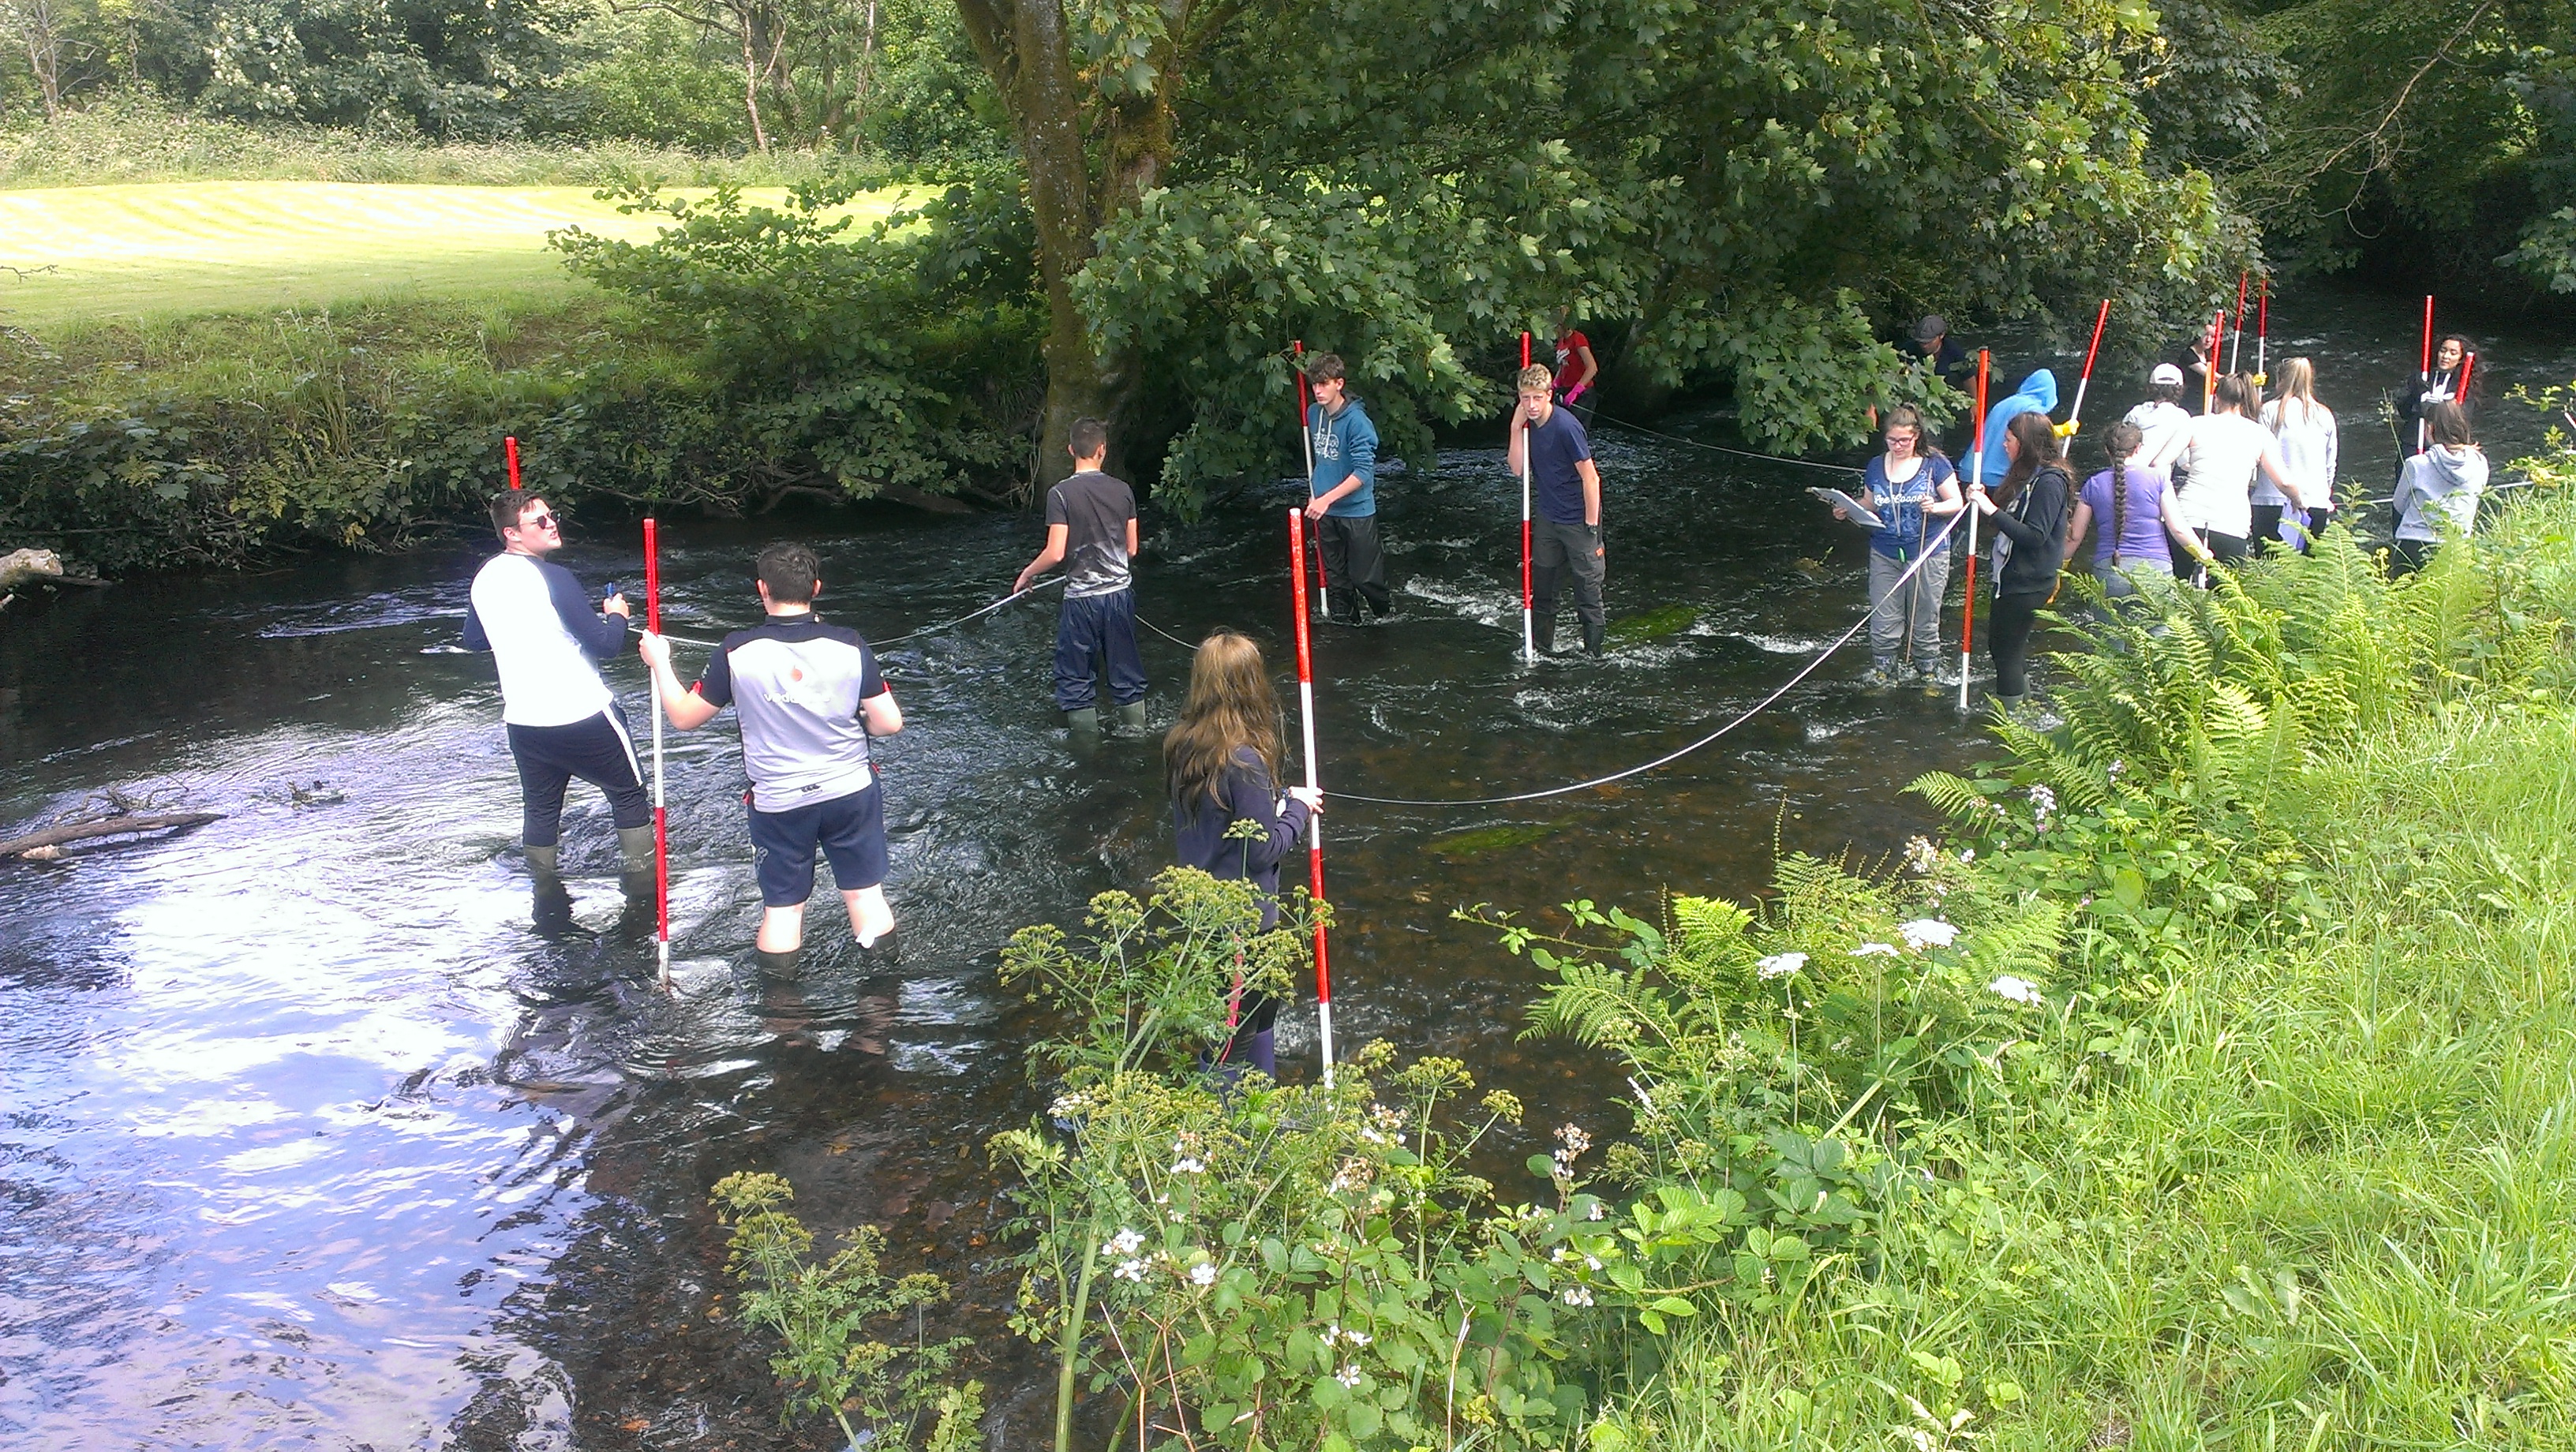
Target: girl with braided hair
[{"x": 2143, "y": 523}]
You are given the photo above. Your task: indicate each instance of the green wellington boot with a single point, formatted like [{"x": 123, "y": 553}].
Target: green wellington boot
[
  {"x": 1131, "y": 719},
  {"x": 546, "y": 861},
  {"x": 1084, "y": 724}
]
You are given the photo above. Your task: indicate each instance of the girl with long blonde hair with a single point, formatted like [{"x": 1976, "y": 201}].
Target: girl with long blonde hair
[
  {"x": 1221, "y": 764},
  {"x": 2306, "y": 431}
]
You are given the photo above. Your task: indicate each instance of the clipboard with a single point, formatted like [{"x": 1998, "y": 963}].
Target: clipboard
[{"x": 1860, "y": 514}]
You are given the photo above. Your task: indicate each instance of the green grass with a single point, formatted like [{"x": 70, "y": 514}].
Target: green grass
[
  {"x": 2321, "y": 1202},
  {"x": 163, "y": 249}
]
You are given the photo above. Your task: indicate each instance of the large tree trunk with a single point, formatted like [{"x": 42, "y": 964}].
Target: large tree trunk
[{"x": 1025, "y": 49}]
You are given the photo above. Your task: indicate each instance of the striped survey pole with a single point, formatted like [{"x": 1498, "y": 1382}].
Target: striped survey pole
[{"x": 1314, "y": 821}]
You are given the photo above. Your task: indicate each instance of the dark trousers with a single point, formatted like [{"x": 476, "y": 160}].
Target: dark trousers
[
  {"x": 2267, "y": 526},
  {"x": 1102, "y": 626},
  {"x": 2008, "y": 628},
  {"x": 1556, "y": 551},
  {"x": 2406, "y": 556},
  {"x": 2229, "y": 549},
  {"x": 1354, "y": 566},
  {"x": 597, "y": 749}
]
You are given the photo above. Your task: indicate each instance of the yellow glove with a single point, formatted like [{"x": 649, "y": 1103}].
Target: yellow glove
[
  {"x": 2262, "y": 378},
  {"x": 2065, "y": 430}
]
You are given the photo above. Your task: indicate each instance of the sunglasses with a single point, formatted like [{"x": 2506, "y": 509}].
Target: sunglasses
[{"x": 542, "y": 521}]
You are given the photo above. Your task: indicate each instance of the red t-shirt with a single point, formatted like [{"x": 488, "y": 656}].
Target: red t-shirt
[{"x": 1569, "y": 368}]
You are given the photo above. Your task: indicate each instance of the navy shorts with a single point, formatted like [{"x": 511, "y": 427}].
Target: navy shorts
[{"x": 850, "y": 830}]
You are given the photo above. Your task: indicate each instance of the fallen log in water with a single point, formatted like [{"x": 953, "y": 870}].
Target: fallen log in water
[{"x": 96, "y": 827}]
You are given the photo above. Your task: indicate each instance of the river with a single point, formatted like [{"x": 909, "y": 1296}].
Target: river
[{"x": 313, "y": 1138}]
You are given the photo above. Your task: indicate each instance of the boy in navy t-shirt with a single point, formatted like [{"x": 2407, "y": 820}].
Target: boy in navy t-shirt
[
  {"x": 809, "y": 696},
  {"x": 1566, "y": 536}
]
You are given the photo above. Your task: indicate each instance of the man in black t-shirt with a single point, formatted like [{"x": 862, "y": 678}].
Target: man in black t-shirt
[
  {"x": 1091, "y": 530},
  {"x": 1566, "y": 536}
]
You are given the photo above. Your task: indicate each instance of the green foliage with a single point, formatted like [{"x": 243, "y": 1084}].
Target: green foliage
[
  {"x": 353, "y": 427},
  {"x": 821, "y": 1311},
  {"x": 1265, "y": 1265},
  {"x": 658, "y": 81},
  {"x": 863, "y": 367},
  {"x": 2277, "y": 1171}
]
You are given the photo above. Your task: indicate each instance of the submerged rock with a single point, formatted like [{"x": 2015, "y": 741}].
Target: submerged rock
[
  {"x": 1481, "y": 840},
  {"x": 1654, "y": 624}
]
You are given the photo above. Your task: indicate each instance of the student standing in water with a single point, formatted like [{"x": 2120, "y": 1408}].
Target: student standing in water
[
  {"x": 1575, "y": 365},
  {"x": 1567, "y": 537},
  {"x": 1091, "y": 522},
  {"x": 2305, "y": 430},
  {"x": 2438, "y": 489},
  {"x": 2028, "y": 511},
  {"x": 1343, "y": 508},
  {"x": 2442, "y": 385},
  {"x": 1220, "y": 767},
  {"x": 2162, "y": 422},
  {"x": 809, "y": 696},
  {"x": 2220, "y": 457},
  {"x": 1915, "y": 494},
  {"x": 544, "y": 634},
  {"x": 2037, "y": 394},
  {"x": 2141, "y": 522}
]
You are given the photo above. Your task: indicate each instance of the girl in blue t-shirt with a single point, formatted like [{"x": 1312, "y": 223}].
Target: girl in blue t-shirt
[{"x": 1915, "y": 494}]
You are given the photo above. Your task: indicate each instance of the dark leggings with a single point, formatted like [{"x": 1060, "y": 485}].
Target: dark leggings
[
  {"x": 2008, "y": 628},
  {"x": 2229, "y": 549}
]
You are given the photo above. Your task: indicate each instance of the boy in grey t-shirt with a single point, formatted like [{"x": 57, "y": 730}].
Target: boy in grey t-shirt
[{"x": 1091, "y": 530}]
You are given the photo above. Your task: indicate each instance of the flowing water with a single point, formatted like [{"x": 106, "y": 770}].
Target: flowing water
[{"x": 315, "y": 1137}]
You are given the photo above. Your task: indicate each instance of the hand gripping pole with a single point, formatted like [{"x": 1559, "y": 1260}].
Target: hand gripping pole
[
  {"x": 1977, "y": 475},
  {"x": 1314, "y": 823}
]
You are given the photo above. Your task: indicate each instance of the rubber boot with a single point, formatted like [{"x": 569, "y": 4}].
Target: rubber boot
[
  {"x": 635, "y": 860},
  {"x": 2010, "y": 705},
  {"x": 777, "y": 965},
  {"x": 1085, "y": 726},
  {"x": 1131, "y": 719},
  {"x": 1594, "y": 633},
  {"x": 546, "y": 861},
  {"x": 1543, "y": 631}
]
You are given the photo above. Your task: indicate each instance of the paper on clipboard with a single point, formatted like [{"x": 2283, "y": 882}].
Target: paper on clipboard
[{"x": 1860, "y": 514}]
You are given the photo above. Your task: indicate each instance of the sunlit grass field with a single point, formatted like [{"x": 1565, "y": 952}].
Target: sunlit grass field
[{"x": 172, "y": 248}]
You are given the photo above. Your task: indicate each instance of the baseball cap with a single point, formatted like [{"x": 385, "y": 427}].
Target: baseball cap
[
  {"x": 2165, "y": 373},
  {"x": 1932, "y": 326}
]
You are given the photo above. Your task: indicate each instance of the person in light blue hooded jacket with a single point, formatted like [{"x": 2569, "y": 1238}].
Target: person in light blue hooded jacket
[{"x": 2037, "y": 394}]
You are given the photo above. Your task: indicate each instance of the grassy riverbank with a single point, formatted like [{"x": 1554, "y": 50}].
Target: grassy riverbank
[{"x": 2297, "y": 1167}]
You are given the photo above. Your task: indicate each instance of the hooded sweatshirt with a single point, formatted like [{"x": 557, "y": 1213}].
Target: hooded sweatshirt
[
  {"x": 1345, "y": 444},
  {"x": 2437, "y": 482},
  {"x": 2037, "y": 394}
]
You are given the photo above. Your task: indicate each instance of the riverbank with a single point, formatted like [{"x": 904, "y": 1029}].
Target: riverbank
[{"x": 2278, "y": 1152}]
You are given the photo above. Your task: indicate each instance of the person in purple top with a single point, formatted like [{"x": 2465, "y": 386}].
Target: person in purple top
[
  {"x": 2141, "y": 522},
  {"x": 1221, "y": 762}
]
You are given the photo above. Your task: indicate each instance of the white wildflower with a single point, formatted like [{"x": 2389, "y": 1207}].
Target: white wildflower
[
  {"x": 1920, "y": 855},
  {"x": 1203, "y": 1275},
  {"x": 1592, "y": 1262},
  {"x": 1928, "y": 933},
  {"x": 1356, "y": 1338},
  {"x": 1575, "y": 1296},
  {"x": 2043, "y": 806},
  {"x": 1967, "y": 854},
  {"x": 1781, "y": 965},
  {"x": 1875, "y": 950},
  {"x": 1124, "y": 1243},
  {"x": 1130, "y": 1270},
  {"x": 2019, "y": 990},
  {"x": 1596, "y": 1212},
  {"x": 1348, "y": 1375},
  {"x": 1187, "y": 1166},
  {"x": 1574, "y": 1139},
  {"x": 1371, "y": 1135}
]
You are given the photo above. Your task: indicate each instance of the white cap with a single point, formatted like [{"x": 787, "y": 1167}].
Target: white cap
[{"x": 2165, "y": 373}]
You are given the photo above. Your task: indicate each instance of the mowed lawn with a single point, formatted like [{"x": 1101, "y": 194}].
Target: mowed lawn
[{"x": 163, "y": 248}]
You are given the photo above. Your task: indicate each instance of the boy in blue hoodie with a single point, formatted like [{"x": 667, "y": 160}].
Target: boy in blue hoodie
[
  {"x": 2037, "y": 394},
  {"x": 1343, "y": 508}
]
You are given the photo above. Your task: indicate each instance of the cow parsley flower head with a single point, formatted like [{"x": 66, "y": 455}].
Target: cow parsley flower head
[
  {"x": 1780, "y": 965},
  {"x": 1188, "y": 1166},
  {"x": 1925, "y": 933},
  {"x": 2019, "y": 990},
  {"x": 1875, "y": 950}
]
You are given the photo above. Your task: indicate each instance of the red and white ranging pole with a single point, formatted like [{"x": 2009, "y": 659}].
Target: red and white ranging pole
[
  {"x": 1977, "y": 479},
  {"x": 510, "y": 451},
  {"x": 661, "y": 818},
  {"x": 1314, "y": 822},
  {"x": 1529, "y": 634}
]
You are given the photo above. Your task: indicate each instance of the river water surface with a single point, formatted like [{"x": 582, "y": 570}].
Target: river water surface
[{"x": 315, "y": 1136}]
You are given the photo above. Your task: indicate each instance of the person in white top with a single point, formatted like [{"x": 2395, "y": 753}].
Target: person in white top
[
  {"x": 2161, "y": 420},
  {"x": 2305, "y": 431},
  {"x": 2221, "y": 454},
  {"x": 537, "y": 621},
  {"x": 2438, "y": 489}
]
